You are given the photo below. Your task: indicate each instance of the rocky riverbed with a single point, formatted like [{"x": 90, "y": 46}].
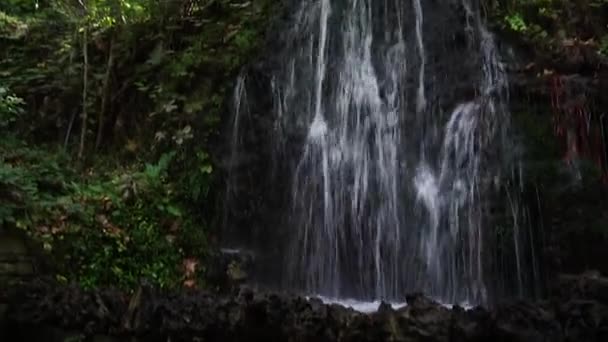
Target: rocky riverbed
[{"x": 44, "y": 311}]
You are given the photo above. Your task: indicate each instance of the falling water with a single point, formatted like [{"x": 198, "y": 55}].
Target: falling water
[
  {"x": 404, "y": 143},
  {"x": 421, "y": 99}
]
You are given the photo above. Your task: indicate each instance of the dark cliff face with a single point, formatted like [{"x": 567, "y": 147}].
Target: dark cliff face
[
  {"x": 260, "y": 156},
  {"x": 558, "y": 103},
  {"x": 566, "y": 212}
]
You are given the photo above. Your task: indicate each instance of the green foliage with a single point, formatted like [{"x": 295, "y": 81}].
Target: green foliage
[
  {"x": 32, "y": 190},
  {"x": 159, "y": 74},
  {"x": 20, "y": 7},
  {"x": 516, "y": 22},
  {"x": 197, "y": 183},
  {"x": 113, "y": 12},
  {"x": 555, "y": 26},
  {"x": 166, "y": 88},
  {"x": 11, "y": 27},
  {"x": 11, "y": 107},
  {"x": 105, "y": 229}
]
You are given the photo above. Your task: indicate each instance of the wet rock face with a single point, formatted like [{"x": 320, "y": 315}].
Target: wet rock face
[
  {"x": 587, "y": 286},
  {"x": 558, "y": 102},
  {"x": 260, "y": 167},
  {"x": 15, "y": 259},
  {"x": 16, "y": 265},
  {"x": 251, "y": 172},
  {"x": 229, "y": 268},
  {"x": 578, "y": 233},
  {"x": 43, "y": 311}
]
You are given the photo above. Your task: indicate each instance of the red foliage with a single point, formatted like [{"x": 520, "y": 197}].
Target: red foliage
[
  {"x": 573, "y": 125},
  {"x": 189, "y": 268}
]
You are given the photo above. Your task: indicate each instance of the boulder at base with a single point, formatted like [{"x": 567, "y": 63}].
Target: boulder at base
[{"x": 44, "y": 311}]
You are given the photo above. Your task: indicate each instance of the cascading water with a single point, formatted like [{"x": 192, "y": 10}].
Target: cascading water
[{"x": 403, "y": 134}]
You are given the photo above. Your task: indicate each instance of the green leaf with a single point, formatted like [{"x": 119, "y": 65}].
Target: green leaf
[
  {"x": 206, "y": 169},
  {"x": 173, "y": 210}
]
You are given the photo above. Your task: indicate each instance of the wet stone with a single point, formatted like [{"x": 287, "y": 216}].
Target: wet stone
[{"x": 42, "y": 309}]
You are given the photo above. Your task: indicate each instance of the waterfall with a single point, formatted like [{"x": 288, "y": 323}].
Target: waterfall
[{"x": 399, "y": 136}]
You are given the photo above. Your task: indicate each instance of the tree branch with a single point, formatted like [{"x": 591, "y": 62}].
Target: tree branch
[
  {"x": 85, "y": 79},
  {"x": 105, "y": 94}
]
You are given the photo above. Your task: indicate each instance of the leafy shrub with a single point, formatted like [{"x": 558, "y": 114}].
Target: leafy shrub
[
  {"x": 516, "y": 22},
  {"x": 104, "y": 229},
  {"x": 158, "y": 75},
  {"x": 11, "y": 107},
  {"x": 11, "y": 27},
  {"x": 547, "y": 24}
]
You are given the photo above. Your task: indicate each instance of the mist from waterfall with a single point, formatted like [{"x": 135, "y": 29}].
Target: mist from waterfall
[{"x": 403, "y": 146}]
